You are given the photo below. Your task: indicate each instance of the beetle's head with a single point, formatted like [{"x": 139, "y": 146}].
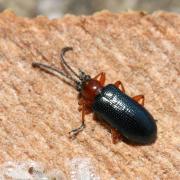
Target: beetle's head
[{"x": 88, "y": 87}]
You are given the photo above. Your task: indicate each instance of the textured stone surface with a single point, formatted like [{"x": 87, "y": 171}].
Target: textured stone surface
[{"x": 38, "y": 110}]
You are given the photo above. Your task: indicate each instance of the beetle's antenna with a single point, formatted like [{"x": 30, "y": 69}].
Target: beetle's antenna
[
  {"x": 65, "y": 64},
  {"x": 53, "y": 70},
  {"x": 68, "y": 72}
]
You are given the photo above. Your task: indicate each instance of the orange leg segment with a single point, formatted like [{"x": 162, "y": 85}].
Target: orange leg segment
[
  {"x": 139, "y": 99},
  {"x": 119, "y": 83},
  {"x": 102, "y": 78},
  {"x": 116, "y": 136},
  {"x": 85, "y": 111},
  {"x": 76, "y": 131}
]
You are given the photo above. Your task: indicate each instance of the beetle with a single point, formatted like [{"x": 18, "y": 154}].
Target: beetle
[{"x": 126, "y": 116}]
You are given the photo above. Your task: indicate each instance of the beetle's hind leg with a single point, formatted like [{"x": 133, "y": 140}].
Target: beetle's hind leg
[
  {"x": 139, "y": 99},
  {"x": 115, "y": 135}
]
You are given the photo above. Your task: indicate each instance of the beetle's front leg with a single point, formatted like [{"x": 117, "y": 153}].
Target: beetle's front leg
[
  {"x": 85, "y": 110},
  {"x": 76, "y": 131},
  {"x": 87, "y": 104},
  {"x": 102, "y": 78}
]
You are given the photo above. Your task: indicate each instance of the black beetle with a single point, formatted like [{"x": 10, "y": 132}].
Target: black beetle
[{"x": 126, "y": 116}]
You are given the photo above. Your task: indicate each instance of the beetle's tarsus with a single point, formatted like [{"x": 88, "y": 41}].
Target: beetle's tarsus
[{"x": 76, "y": 131}]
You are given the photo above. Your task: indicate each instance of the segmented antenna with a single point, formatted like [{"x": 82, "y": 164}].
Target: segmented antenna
[
  {"x": 65, "y": 64},
  {"x": 69, "y": 73},
  {"x": 52, "y": 70}
]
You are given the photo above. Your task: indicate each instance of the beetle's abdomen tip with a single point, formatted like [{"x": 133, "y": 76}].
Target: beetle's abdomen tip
[{"x": 151, "y": 135}]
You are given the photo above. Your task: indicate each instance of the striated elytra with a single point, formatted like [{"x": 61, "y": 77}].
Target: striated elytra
[
  {"x": 126, "y": 116},
  {"x": 130, "y": 118}
]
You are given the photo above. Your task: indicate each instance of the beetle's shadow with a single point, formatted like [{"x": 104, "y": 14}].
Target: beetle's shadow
[{"x": 101, "y": 122}]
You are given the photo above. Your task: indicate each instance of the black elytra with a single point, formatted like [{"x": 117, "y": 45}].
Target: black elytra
[{"x": 130, "y": 118}]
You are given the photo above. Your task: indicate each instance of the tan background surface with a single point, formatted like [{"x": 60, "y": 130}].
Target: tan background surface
[{"x": 38, "y": 110}]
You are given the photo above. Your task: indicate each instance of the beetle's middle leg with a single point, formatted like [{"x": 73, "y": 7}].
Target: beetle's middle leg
[
  {"x": 139, "y": 99},
  {"x": 119, "y": 83}
]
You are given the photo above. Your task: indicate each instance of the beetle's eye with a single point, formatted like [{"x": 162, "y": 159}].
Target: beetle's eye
[
  {"x": 87, "y": 77},
  {"x": 79, "y": 86}
]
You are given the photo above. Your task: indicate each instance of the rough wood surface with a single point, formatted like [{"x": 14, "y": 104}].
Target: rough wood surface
[{"x": 38, "y": 110}]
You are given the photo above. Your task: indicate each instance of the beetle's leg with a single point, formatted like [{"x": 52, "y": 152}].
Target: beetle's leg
[
  {"x": 85, "y": 102},
  {"x": 81, "y": 101},
  {"x": 85, "y": 110},
  {"x": 102, "y": 78},
  {"x": 119, "y": 83},
  {"x": 74, "y": 132},
  {"x": 115, "y": 135},
  {"x": 138, "y": 98}
]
